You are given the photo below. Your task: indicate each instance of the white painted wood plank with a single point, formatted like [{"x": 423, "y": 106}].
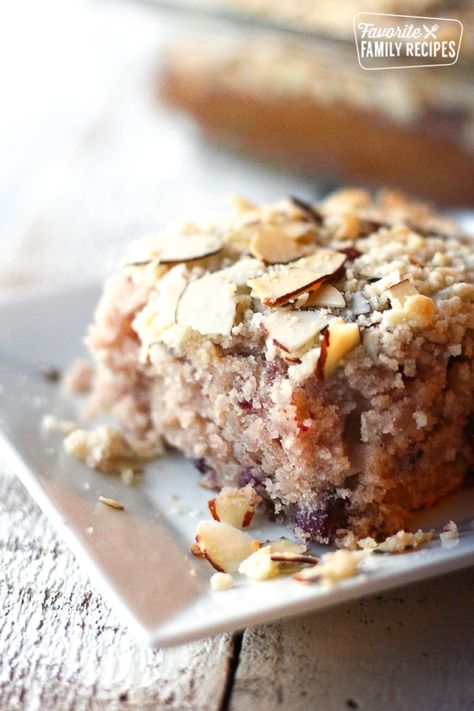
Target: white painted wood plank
[
  {"x": 62, "y": 647},
  {"x": 410, "y": 649}
]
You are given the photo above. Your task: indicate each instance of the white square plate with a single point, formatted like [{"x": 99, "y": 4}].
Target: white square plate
[{"x": 140, "y": 557}]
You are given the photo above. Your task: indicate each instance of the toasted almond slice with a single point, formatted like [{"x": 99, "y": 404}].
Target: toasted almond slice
[
  {"x": 208, "y": 305},
  {"x": 307, "y": 366},
  {"x": 261, "y": 566},
  {"x": 328, "y": 296},
  {"x": 187, "y": 247},
  {"x": 111, "y": 502},
  {"x": 278, "y": 287},
  {"x": 224, "y": 546},
  {"x": 338, "y": 340},
  {"x": 292, "y": 330},
  {"x": 283, "y": 546},
  {"x": 400, "y": 292},
  {"x": 273, "y": 246},
  {"x": 294, "y": 558},
  {"x": 171, "y": 286},
  {"x": 196, "y": 551},
  {"x": 308, "y": 210},
  {"x": 298, "y": 230},
  {"x": 234, "y": 506}
]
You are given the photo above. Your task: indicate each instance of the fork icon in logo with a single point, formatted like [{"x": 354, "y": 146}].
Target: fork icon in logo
[{"x": 430, "y": 32}]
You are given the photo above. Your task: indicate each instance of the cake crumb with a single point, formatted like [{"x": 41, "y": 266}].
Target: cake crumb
[
  {"x": 104, "y": 449},
  {"x": 404, "y": 540},
  {"x": 222, "y": 581},
  {"x": 51, "y": 423},
  {"x": 449, "y": 536},
  {"x": 368, "y": 543},
  {"x": 333, "y": 567}
]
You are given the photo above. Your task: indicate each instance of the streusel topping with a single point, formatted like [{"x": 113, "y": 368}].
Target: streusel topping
[{"x": 314, "y": 285}]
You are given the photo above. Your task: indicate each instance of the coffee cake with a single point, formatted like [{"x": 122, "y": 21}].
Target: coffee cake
[{"x": 322, "y": 354}]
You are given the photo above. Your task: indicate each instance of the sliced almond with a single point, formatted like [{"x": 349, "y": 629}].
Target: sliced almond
[
  {"x": 234, "y": 506},
  {"x": 171, "y": 286},
  {"x": 308, "y": 210},
  {"x": 294, "y": 558},
  {"x": 298, "y": 230},
  {"x": 208, "y": 305},
  {"x": 283, "y": 546},
  {"x": 187, "y": 247},
  {"x": 113, "y": 503},
  {"x": 400, "y": 292},
  {"x": 292, "y": 330},
  {"x": 273, "y": 246},
  {"x": 261, "y": 566},
  {"x": 278, "y": 287},
  {"x": 339, "y": 339},
  {"x": 224, "y": 546},
  {"x": 328, "y": 296}
]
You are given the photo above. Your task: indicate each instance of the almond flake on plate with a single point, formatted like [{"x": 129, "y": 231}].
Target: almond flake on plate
[
  {"x": 261, "y": 565},
  {"x": 278, "y": 287},
  {"x": 113, "y": 503},
  {"x": 292, "y": 330},
  {"x": 224, "y": 546},
  {"x": 234, "y": 506}
]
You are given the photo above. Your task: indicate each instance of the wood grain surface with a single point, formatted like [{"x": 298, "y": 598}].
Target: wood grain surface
[{"x": 62, "y": 647}]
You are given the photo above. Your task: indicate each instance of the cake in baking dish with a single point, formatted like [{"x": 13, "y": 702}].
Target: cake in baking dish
[{"x": 322, "y": 353}]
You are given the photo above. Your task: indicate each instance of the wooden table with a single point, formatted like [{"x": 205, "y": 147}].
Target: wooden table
[{"x": 61, "y": 645}]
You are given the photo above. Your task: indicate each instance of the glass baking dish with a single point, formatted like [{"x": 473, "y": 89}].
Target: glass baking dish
[{"x": 296, "y": 96}]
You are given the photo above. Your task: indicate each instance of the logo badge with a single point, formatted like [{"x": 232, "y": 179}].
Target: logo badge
[{"x": 404, "y": 41}]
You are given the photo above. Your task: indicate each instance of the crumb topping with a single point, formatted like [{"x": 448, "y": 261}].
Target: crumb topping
[{"x": 372, "y": 274}]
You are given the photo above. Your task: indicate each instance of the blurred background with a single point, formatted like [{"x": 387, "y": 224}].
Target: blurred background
[{"x": 119, "y": 115}]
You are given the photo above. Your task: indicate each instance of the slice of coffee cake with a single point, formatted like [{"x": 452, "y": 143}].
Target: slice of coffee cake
[{"x": 322, "y": 353}]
